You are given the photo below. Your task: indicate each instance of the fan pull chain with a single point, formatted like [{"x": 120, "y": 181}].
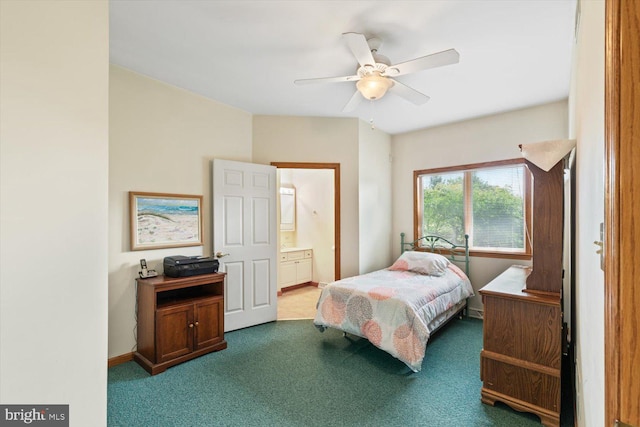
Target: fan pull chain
[{"x": 373, "y": 127}]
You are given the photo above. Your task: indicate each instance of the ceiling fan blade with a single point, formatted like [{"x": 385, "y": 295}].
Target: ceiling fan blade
[
  {"x": 353, "y": 102},
  {"x": 439, "y": 59},
  {"x": 327, "y": 80},
  {"x": 408, "y": 93},
  {"x": 360, "y": 48}
]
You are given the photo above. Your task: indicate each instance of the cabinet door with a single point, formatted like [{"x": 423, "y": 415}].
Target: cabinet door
[
  {"x": 209, "y": 323},
  {"x": 287, "y": 273},
  {"x": 304, "y": 271},
  {"x": 174, "y": 332}
]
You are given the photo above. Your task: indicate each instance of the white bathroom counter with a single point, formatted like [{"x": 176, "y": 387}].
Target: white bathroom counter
[{"x": 285, "y": 250}]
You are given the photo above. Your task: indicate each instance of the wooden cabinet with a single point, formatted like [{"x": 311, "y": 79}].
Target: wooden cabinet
[
  {"x": 179, "y": 319},
  {"x": 296, "y": 267},
  {"x": 522, "y": 354}
]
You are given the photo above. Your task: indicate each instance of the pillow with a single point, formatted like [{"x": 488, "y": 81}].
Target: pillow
[{"x": 421, "y": 262}]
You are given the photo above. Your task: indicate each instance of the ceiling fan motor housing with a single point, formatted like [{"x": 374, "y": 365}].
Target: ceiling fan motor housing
[{"x": 381, "y": 65}]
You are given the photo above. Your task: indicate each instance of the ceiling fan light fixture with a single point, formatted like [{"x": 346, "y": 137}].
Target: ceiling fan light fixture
[{"x": 373, "y": 86}]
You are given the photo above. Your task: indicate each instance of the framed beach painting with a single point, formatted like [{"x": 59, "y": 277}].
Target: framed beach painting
[{"x": 160, "y": 220}]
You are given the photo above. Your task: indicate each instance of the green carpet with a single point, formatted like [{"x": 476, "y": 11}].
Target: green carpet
[{"x": 289, "y": 374}]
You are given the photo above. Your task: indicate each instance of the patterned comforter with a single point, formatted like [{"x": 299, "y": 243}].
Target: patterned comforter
[{"x": 392, "y": 309}]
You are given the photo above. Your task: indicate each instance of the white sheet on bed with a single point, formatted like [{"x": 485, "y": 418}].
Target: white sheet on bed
[{"x": 392, "y": 309}]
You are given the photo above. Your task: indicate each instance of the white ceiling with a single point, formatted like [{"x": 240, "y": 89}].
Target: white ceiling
[{"x": 246, "y": 54}]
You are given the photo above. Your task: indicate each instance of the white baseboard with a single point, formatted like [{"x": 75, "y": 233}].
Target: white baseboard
[{"x": 477, "y": 313}]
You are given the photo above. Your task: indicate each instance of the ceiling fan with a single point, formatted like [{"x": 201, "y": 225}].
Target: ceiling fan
[{"x": 374, "y": 74}]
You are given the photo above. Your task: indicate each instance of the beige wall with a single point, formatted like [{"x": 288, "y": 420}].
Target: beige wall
[
  {"x": 587, "y": 126},
  {"x": 374, "y": 191},
  {"x": 480, "y": 140},
  {"x": 318, "y": 140},
  {"x": 162, "y": 139},
  {"x": 53, "y": 205}
]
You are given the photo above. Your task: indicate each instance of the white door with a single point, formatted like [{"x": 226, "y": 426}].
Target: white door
[{"x": 244, "y": 226}]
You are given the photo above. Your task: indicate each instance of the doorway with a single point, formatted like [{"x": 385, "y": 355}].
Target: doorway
[
  {"x": 316, "y": 190},
  {"x": 335, "y": 167}
]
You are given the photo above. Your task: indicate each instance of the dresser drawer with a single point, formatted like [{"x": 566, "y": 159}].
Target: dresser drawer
[
  {"x": 536, "y": 387},
  {"x": 523, "y": 330}
]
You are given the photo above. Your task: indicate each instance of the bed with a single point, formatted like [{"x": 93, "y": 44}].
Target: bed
[{"x": 399, "y": 307}]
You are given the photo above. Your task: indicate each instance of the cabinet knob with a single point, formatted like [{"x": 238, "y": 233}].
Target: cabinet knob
[
  {"x": 191, "y": 325},
  {"x": 196, "y": 323}
]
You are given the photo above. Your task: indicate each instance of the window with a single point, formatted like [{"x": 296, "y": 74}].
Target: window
[{"x": 490, "y": 202}]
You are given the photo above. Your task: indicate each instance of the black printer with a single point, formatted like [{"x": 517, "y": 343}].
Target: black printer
[{"x": 183, "y": 266}]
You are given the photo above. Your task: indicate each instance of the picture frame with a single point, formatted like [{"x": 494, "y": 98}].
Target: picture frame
[{"x": 163, "y": 220}]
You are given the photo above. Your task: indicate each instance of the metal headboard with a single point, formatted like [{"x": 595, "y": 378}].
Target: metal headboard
[{"x": 442, "y": 246}]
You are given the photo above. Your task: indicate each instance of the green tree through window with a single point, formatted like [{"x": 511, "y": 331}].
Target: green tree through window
[{"x": 444, "y": 206}]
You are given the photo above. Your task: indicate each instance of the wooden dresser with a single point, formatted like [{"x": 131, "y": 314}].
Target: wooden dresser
[
  {"x": 522, "y": 355},
  {"x": 179, "y": 319}
]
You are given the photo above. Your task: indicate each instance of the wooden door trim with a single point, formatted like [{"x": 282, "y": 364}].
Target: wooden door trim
[
  {"x": 336, "y": 192},
  {"x": 611, "y": 207},
  {"x": 622, "y": 116}
]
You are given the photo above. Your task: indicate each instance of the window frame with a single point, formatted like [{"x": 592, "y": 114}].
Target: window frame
[{"x": 528, "y": 195}]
